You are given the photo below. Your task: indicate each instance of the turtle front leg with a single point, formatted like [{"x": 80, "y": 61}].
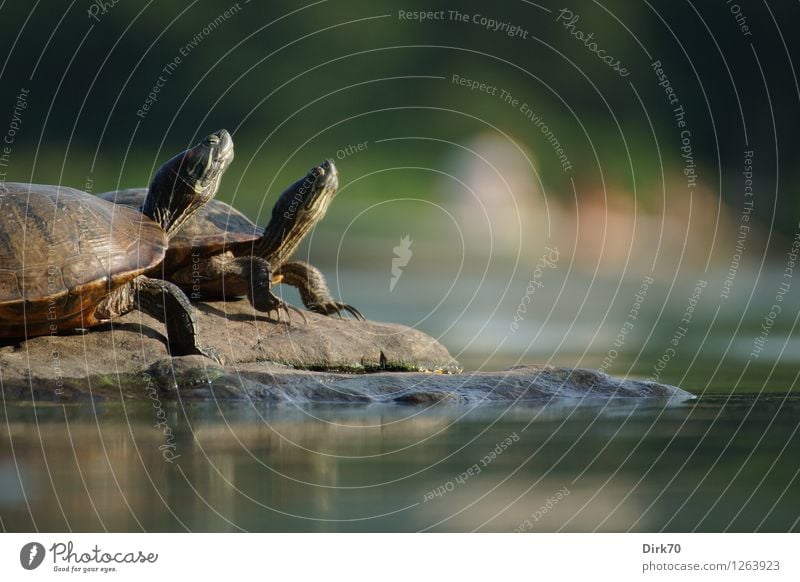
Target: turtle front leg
[
  {"x": 165, "y": 302},
  {"x": 313, "y": 288},
  {"x": 256, "y": 273}
]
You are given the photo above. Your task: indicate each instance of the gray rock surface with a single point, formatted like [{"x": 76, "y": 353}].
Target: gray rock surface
[
  {"x": 322, "y": 359},
  {"x": 519, "y": 383}
]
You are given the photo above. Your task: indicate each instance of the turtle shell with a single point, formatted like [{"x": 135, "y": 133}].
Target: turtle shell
[
  {"x": 62, "y": 251},
  {"x": 213, "y": 229}
]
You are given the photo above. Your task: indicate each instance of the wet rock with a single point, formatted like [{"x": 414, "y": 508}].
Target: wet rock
[
  {"x": 321, "y": 359},
  {"x": 126, "y": 348}
]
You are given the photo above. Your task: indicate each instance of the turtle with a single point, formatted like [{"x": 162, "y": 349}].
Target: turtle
[
  {"x": 220, "y": 254},
  {"x": 70, "y": 260}
]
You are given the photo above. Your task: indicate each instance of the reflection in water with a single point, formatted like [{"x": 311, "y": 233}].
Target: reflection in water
[{"x": 710, "y": 465}]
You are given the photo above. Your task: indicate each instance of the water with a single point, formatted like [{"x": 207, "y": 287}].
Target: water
[
  {"x": 728, "y": 461},
  {"x": 718, "y": 463}
]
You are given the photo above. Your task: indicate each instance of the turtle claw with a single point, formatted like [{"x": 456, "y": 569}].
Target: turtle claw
[
  {"x": 354, "y": 312},
  {"x": 211, "y": 353},
  {"x": 279, "y": 310},
  {"x": 282, "y": 307},
  {"x": 288, "y": 307},
  {"x": 265, "y": 300},
  {"x": 337, "y": 307},
  {"x": 277, "y": 313},
  {"x": 270, "y": 303}
]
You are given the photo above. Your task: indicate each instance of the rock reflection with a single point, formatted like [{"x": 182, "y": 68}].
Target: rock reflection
[{"x": 618, "y": 465}]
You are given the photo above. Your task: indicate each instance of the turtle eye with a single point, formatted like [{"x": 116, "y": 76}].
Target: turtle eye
[{"x": 212, "y": 140}]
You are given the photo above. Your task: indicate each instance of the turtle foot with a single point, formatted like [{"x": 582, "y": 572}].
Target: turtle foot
[
  {"x": 336, "y": 307},
  {"x": 281, "y": 308},
  {"x": 212, "y": 354}
]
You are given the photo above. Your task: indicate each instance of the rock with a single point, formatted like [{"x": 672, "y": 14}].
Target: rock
[
  {"x": 305, "y": 361},
  {"x": 285, "y": 385},
  {"x": 240, "y": 334}
]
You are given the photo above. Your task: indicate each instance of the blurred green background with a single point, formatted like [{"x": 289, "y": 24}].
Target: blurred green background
[{"x": 476, "y": 185}]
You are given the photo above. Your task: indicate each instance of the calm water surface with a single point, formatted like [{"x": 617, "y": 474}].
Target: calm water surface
[{"x": 717, "y": 463}]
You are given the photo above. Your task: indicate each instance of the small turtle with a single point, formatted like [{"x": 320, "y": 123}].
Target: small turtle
[
  {"x": 220, "y": 254},
  {"x": 71, "y": 260}
]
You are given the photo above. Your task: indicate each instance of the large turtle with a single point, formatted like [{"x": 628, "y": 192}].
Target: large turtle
[
  {"x": 72, "y": 260},
  {"x": 219, "y": 253}
]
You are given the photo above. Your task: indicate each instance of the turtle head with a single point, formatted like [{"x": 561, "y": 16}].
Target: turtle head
[
  {"x": 298, "y": 209},
  {"x": 188, "y": 181},
  {"x": 307, "y": 200}
]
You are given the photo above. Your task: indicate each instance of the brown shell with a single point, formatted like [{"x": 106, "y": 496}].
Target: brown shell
[
  {"x": 62, "y": 251},
  {"x": 214, "y": 228}
]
